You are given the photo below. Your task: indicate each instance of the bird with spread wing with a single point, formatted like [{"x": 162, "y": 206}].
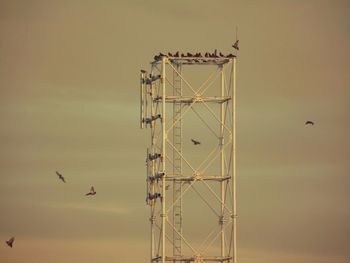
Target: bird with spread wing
[
  {"x": 309, "y": 123},
  {"x": 236, "y": 45},
  {"x": 92, "y": 191},
  {"x": 195, "y": 142},
  {"x": 10, "y": 241},
  {"x": 60, "y": 176}
]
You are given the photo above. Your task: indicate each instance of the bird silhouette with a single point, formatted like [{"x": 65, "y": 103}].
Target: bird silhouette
[
  {"x": 152, "y": 118},
  {"x": 10, "y": 241},
  {"x": 153, "y": 196},
  {"x": 154, "y": 156},
  {"x": 235, "y": 45},
  {"x": 92, "y": 191},
  {"x": 230, "y": 56},
  {"x": 195, "y": 142},
  {"x": 309, "y": 123},
  {"x": 154, "y": 78},
  {"x": 60, "y": 176}
]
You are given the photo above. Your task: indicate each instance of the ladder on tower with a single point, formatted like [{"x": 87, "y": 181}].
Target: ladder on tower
[{"x": 177, "y": 163}]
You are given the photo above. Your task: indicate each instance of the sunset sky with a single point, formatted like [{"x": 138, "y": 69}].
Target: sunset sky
[{"x": 69, "y": 102}]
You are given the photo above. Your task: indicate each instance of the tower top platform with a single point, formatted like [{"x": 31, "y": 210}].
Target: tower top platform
[{"x": 210, "y": 59}]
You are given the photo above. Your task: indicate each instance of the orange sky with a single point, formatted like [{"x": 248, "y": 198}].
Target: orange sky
[{"x": 69, "y": 87}]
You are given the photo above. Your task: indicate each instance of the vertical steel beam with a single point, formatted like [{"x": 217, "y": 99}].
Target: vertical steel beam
[
  {"x": 142, "y": 110},
  {"x": 163, "y": 215},
  {"x": 222, "y": 161},
  {"x": 234, "y": 186}
]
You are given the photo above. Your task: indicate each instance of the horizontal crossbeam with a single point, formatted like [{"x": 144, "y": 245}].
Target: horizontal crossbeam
[
  {"x": 191, "y": 99},
  {"x": 194, "y": 258},
  {"x": 182, "y": 178}
]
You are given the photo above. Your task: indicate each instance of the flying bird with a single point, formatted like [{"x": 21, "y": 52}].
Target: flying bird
[
  {"x": 195, "y": 142},
  {"x": 60, "y": 177},
  {"x": 10, "y": 241},
  {"x": 235, "y": 45},
  {"x": 309, "y": 123},
  {"x": 92, "y": 191}
]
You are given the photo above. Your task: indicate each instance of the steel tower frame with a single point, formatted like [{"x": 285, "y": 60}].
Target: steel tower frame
[{"x": 159, "y": 95}]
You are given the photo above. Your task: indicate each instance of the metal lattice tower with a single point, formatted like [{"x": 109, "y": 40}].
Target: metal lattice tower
[{"x": 199, "y": 177}]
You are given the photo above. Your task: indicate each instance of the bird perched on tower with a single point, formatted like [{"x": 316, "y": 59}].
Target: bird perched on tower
[{"x": 235, "y": 45}]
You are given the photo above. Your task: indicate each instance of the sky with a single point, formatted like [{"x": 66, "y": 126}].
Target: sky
[{"x": 69, "y": 102}]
